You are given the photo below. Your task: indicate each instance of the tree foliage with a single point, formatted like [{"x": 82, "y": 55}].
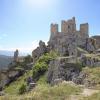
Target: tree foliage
[{"x": 41, "y": 65}]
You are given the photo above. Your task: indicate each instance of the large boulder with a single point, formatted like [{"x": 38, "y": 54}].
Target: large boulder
[
  {"x": 91, "y": 45},
  {"x": 97, "y": 38},
  {"x": 62, "y": 69},
  {"x": 90, "y": 60},
  {"x": 42, "y": 49}
]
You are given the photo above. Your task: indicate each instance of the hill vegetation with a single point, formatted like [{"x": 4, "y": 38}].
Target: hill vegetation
[{"x": 43, "y": 90}]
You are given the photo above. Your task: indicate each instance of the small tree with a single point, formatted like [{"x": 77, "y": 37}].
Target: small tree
[
  {"x": 41, "y": 66},
  {"x": 22, "y": 89},
  {"x": 28, "y": 59}
]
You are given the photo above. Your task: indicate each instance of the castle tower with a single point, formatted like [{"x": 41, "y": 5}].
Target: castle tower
[
  {"x": 68, "y": 26},
  {"x": 54, "y": 30},
  {"x": 84, "y": 30}
]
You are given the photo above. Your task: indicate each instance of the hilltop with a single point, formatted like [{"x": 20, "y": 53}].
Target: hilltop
[{"x": 63, "y": 69}]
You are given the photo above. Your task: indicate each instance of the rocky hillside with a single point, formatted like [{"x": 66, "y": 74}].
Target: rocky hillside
[
  {"x": 97, "y": 40},
  {"x": 68, "y": 67}
]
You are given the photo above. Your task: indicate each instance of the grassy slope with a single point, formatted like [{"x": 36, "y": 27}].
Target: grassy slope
[
  {"x": 12, "y": 89},
  {"x": 93, "y": 75},
  {"x": 95, "y": 96},
  {"x": 44, "y": 91}
]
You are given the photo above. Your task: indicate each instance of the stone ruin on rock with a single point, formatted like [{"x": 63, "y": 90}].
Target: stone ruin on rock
[
  {"x": 73, "y": 46},
  {"x": 67, "y": 41},
  {"x": 42, "y": 49}
]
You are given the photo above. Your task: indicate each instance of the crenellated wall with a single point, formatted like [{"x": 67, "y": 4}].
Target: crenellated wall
[
  {"x": 66, "y": 41},
  {"x": 68, "y": 28}
]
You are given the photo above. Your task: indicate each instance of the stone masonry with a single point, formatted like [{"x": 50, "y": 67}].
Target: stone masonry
[{"x": 67, "y": 41}]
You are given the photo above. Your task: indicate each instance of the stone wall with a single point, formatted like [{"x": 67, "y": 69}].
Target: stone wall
[
  {"x": 68, "y": 26},
  {"x": 84, "y": 30},
  {"x": 66, "y": 41}
]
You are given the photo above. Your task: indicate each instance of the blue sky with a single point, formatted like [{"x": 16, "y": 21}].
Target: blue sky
[{"x": 24, "y": 22}]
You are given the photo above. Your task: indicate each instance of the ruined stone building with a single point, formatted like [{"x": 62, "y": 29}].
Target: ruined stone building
[
  {"x": 76, "y": 49},
  {"x": 67, "y": 41}
]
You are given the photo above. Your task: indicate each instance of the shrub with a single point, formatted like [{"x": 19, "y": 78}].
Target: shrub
[
  {"x": 41, "y": 66},
  {"x": 28, "y": 59},
  {"x": 22, "y": 89}
]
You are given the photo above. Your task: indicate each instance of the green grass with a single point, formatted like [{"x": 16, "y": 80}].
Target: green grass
[
  {"x": 41, "y": 65},
  {"x": 13, "y": 88},
  {"x": 44, "y": 91},
  {"x": 93, "y": 75}
]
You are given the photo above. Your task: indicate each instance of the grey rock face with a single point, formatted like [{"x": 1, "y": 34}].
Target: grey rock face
[
  {"x": 72, "y": 45},
  {"x": 97, "y": 38},
  {"x": 90, "y": 60},
  {"x": 80, "y": 78},
  {"x": 61, "y": 69},
  {"x": 42, "y": 49},
  {"x": 91, "y": 45}
]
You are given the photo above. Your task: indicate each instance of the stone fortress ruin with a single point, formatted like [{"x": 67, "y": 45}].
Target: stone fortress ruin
[
  {"x": 70, "y": 43},
  {"x": 75, "y": 48},
  {"x": 67, "y": 41}
]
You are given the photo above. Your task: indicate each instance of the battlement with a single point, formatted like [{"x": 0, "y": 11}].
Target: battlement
[
  {"x": 69, "y": 27},
  {"x": 54, "y": 28},
  {"x": 84, "y": 29}
]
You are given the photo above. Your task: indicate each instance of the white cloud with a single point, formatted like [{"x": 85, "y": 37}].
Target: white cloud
[
  {"x": 27, "y": 49},
  {"x": 35, "y": 43},
  {"x": 19, "y": 48}
]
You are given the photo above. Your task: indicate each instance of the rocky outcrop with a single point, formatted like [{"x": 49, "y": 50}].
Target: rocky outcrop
[
  {"x": 90, "y": 60},
  {"x": 73, "y": 46},
  {"x": 62, "y": 69},
  {"x": 91, "y": 45},
  {"x": 97, "y": 38},
  {"x": 42, "y": 49},
  {"x": 8, "y": 76},
  {"x": 16, "y": 53}
]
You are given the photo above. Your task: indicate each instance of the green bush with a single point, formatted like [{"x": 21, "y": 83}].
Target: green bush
[
  {"x": 22, "y": 89},
  {"x": 28, "y": 59},
  {"x": 41, "y": 65}
]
